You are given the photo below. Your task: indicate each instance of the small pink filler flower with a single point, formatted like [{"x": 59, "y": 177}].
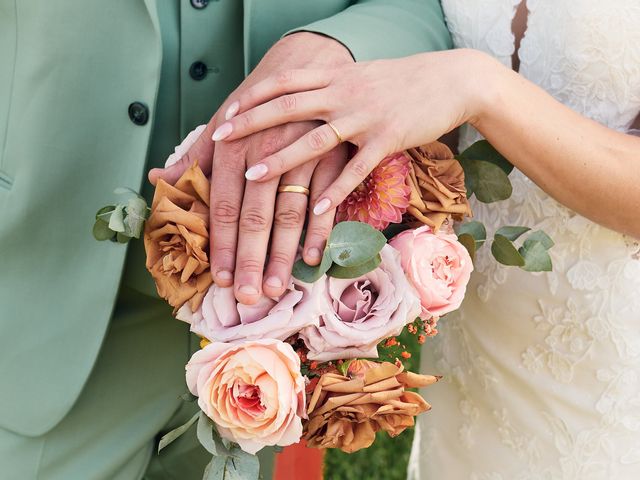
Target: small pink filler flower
[{"x": 382, "y": 197}]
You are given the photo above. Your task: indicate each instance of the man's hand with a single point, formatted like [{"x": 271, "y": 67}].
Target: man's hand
[{"x": 242, "y": 216}]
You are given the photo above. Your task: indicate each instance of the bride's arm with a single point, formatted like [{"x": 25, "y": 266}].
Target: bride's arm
[{"x": 387, "y": 106}]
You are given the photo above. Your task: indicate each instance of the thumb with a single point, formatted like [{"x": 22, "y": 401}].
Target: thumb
[{"x": 196, "y": 146}]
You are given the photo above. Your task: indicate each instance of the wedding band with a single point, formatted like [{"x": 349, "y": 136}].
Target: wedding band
[
  {"x": 336, "y": 131},
  {"x": 293, "y": 189}
]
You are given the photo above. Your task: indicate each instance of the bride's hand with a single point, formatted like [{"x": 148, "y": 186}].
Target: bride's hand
[{"x": 382, "y": 107}]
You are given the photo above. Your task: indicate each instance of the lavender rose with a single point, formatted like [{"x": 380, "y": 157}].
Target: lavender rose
[
  {"x": 355, "y": 314},
  {"x": 223, "y": 319}
]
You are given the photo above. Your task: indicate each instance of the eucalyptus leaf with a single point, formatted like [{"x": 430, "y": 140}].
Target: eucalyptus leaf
[
  {"x": 309, "y": 274},
  {"x": 216, "y": 469},
  {"x": 486, "y": 180},
  {"x": 176, "y": 433},
  {"x": 204, "y": 432},
  {"x": 105, "y": 213},
  {"x": 337, "y": 271},
  {"x": 116, "y": 221},
  {"x": 543, "y": 238},
  {"x": 134, "y": 224},
  {"x": 354, "y": 243},
  {"x": 469, "y": 243},
  {"x": 101, "y": 231},
  {"x": 122, "y": 237},
  {"x": 483, "y": 150},
  {"x": 505, "y": 252},
  {"x": 242, "y": 466},
  {"x": 512, "y": 233},
  {"x": 536, "y": 257},
  {"x": 475, "y": 229}
]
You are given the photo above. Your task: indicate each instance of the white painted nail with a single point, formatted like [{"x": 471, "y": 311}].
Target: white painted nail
[
  {"x": 256, "y": 172},
  {"x": 232, "y": 110},
  {"x": 322, "y": 206},
  {"x": 222, "y": 132}
]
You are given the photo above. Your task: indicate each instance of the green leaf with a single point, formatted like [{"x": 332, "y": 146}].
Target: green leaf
[
  {"x": 486, "y": 180},
  {"x": 176, "y": 433},
  {"x": 394, "y": 229},
  {"x": 105, "y": 212},
  {"x": 475, "y": 229},
  {"x": 136, "y": 216},
  {"x": 307, "y": 273},
  {"x": 337, "y": 271},
  {"x": 116, "y": 221},
  {"x": 101, "y": 231},
  {"x": 242, "y": 466},
  {"x": 354, "y": 243},
  {"x": 204, "y": 433},
  {"x": 469, "y": 243},
  {"x": 122, "y": 238},
  {"x": 536, "y": 257},
  {"x": 483, "y": 150},
  {"x": 343, "y": 367},
  {"x": 505, "y": 253},
  {"x": 216, "y": 469},
  {"x": 512, "y": 233},
  {"x": 543, "y": 238}
]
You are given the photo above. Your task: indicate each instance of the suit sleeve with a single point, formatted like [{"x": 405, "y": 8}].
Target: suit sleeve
[{"x": 373, "y": 29}]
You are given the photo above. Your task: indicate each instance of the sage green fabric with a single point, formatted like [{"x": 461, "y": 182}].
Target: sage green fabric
[{"x": 68, "y": 71}]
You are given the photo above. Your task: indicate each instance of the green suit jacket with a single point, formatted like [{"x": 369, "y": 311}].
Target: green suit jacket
[{"x": 69, "y": 70}]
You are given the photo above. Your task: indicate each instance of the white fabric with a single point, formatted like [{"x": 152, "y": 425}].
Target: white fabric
[{"x": 542, "y": 371}]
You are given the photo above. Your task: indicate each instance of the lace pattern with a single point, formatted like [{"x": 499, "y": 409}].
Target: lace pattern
[{"x": 545, "y": 368}]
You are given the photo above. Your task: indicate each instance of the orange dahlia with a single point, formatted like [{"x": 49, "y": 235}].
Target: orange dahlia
[{"x": 382, "y": 198}]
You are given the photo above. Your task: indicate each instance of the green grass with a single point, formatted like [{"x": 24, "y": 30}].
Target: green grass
[{"x": 387, "y": 458}]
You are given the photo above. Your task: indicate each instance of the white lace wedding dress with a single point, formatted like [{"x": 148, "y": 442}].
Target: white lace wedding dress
[{"x": 542, "y": 371}]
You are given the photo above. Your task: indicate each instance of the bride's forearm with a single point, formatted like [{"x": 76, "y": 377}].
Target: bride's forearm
[{"x": 591, "y": 169}]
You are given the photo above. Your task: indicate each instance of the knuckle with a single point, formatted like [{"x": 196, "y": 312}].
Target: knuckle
[
  {"x": 272, "y": 142},
  {"x": 250, "y": 265},
  {"x": 284, "y": 77},
  {"x": 225, "y": 212},
  {"x": 253, "y": 220},
  {"x": 246, "y": 121},
  {"x": 319, "y": 232},
  {"x": 287, "y": 103},
  {"x": 359, "y": 168},
  {"x": 289, "y": 217},
  {"x": 223, "y": 251},
  {"x": 280, "y": 258},
  {"x": 317, "y": 139}
]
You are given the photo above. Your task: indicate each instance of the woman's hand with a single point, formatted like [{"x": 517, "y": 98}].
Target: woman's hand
[{"x": 382, "y": 107}]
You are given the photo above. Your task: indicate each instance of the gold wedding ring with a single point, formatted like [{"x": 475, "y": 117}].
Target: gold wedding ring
[
  {"x": 293, "y": 189},
  {"x": 336, "y": 131}
]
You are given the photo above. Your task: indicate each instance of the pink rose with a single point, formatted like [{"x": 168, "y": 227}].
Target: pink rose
[
  {"x": 355, "y": 314},
  {"x": 437, "y": 265},
  {"x": 253, "y": 391},
  {"x": 222, "y": 318}
]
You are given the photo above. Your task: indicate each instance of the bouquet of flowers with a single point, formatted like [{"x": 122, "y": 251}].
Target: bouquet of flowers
[{"x": 322, "y": 362}]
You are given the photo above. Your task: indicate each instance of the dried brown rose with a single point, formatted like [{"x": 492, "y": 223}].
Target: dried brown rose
[
  {"x": 345, "y": 412},
  {"x": 437, "y": 186},
  {"x": 176, "y": 239}
]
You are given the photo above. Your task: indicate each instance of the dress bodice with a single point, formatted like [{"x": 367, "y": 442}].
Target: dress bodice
[{"x": 542, "y": 371}]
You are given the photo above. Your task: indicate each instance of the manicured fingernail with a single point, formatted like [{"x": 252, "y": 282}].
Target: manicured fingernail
[
  {"x": 322, "y": 206},
  {"x": 232, "y": 110},
  {"x": 274, "y": 282},
  {"x": 248, "y": 290},
  {"x": 224, "y": 275},
  {"x": 313, "y": 253},
  {"x": 256, "y": 172},
  {"x": 222, "y": 132}
]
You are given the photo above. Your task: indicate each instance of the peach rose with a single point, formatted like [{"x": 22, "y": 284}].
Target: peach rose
[
  {"x": 346, "y": 412},
  {"x": 253, "y": 391},
  {"x": 355, "y": 314},
  {"x": 437, "y": 265},
  {"x": 222, "y": 318},
  {"x": 176, "y": 239},
  {"x": 437, "y": 186}
]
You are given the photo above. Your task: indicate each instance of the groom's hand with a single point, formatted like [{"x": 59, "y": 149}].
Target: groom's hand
[{"x": 242, "y": 216}]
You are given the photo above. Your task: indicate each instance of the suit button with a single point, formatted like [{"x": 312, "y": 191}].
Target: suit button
[
  {"x": 138, "y": 113},
  {"x": 199, "y": 4},
  {"x": 198, "y": 70}
]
